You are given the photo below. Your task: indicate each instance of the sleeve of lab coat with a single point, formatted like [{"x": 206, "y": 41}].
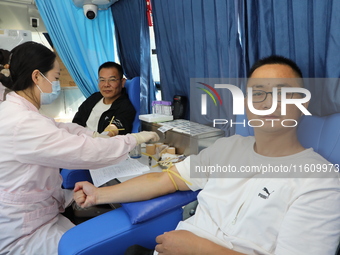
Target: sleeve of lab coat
[
  {"x": 74, "y": 128},
  {"x": 38, "y": 140}
]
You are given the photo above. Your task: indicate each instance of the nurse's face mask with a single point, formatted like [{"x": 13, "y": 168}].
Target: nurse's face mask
[{"x": 48, "y": 98}]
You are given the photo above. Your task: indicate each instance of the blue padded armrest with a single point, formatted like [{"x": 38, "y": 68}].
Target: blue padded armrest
[
  {"x": 113, "y": 233},
  {"x": 145, "y": 210},
  {"x": 70, "y": 177}
]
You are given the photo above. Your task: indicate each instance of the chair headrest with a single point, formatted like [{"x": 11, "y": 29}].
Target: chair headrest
[
  {"x": 320, "y": 133},
  {"x": 133, "y": 90}
]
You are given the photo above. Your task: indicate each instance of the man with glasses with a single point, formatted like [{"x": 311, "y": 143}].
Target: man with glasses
[
  {"x": 260, "y": 95},
  {"x": 246, "y": 212},
  {"x": 109, "y": 109}
]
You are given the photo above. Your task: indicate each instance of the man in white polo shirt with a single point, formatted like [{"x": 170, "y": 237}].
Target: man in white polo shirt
[{"x": 246, "y": 212}]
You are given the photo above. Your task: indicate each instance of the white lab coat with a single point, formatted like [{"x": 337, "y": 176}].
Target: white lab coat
[{"x": 32, "y": 149}]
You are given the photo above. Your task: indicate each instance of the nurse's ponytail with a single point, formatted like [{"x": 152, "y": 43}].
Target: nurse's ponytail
[{"x": 4, "y": 71}]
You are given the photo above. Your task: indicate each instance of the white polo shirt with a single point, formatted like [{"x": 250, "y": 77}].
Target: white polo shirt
[
  {"x": 258, "y": 215},
  {"x": 96, "y": 113}
]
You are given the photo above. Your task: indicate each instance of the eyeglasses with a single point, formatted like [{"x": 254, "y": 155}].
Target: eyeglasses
[
  {"x": 260, "y": 95},
  {"x": 111, "y": 81}
]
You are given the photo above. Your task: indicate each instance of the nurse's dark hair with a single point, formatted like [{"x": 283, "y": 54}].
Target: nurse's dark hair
[
  {"x": 110, "y": 64},
  {"x": 23, "y": 60},
  {"x": 275, "y": 59},
  {"x": 4, "y": 57}
]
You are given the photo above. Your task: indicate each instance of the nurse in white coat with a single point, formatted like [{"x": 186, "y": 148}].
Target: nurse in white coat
[{"x": 34, "y": 147}]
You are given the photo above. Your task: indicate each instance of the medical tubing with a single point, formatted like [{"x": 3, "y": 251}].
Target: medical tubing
[
  {"x": 169, "y": 172},
  {"x": 172, "y": 179}
]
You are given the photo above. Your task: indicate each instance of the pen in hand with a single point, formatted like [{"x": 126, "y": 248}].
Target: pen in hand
[
  {"x": 111, "y": 130},
  {"x": 117, "y": 129},
  {"x": 111, "y": 120},
  {"x": 114, "y": 128}
]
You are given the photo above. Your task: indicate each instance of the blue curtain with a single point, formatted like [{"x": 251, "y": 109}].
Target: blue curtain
[
  {"x": 133, "y": 46},
  {"x": 83, "y": 44},
  {"x": 198, "y": 39},
  {"x": 305, "y": 31}
]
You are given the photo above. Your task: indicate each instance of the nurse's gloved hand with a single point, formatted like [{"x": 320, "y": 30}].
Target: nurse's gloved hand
[{"x": 146, "y": 136}]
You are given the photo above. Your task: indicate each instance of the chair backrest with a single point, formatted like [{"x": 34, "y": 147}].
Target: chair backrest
[
  {"x": 133, "y": 90},
  {"x": 320, "y": 133}
]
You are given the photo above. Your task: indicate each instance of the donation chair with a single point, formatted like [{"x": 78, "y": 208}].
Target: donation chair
[
  {"x": 70, "y": 177},
  {"x": 140, "y": 222},
  {"x": 133, "y": 90}
]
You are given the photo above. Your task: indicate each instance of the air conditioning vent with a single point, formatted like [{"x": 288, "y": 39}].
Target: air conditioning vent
[{"x": 10, "y": 38}]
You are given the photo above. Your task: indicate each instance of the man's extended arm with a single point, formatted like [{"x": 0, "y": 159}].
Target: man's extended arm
[{"x": 140, "y": 188}]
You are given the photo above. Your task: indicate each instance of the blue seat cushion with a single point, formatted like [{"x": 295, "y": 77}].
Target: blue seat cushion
[
  {"x": 112, "y": 233},
  {"x": 146, "y": 210}
]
